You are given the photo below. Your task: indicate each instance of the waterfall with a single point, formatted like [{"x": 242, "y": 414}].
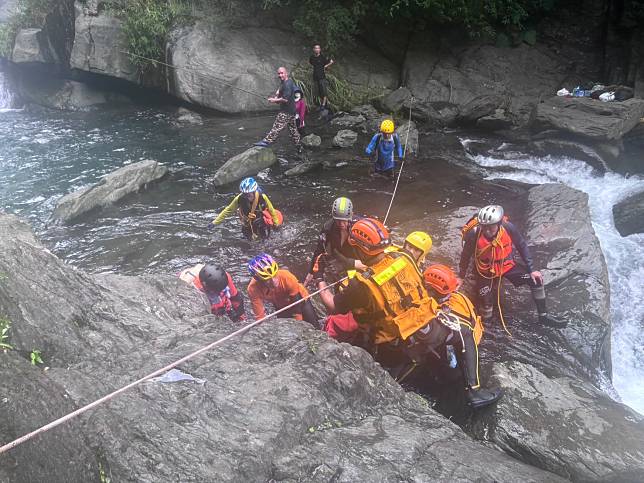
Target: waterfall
[{"x": 6, "y": 99}]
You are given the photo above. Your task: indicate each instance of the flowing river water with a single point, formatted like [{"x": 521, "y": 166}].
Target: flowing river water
[{"x": 44, "y": 155}]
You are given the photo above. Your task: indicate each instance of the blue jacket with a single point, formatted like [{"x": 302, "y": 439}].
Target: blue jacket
[{"x": 385, "y": 151}]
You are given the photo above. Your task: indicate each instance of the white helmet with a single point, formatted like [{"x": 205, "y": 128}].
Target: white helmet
[
  {"x": 342, "y": 209},
  {"x": 490, "y": 215}
]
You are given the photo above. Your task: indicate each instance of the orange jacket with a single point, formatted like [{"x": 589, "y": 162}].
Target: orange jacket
[{"x": 279, "y": 296}]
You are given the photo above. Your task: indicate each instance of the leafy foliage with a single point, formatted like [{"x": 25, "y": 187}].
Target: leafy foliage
[
  {"x": 333, "y": 23},
  {"x": 27, "y": 14},
  {"x": 35, "y": 358},
  {"x": 146, "y": 26}
]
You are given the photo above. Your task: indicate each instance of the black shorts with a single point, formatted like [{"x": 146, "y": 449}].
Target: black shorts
[{"x": 321, "y": 87}]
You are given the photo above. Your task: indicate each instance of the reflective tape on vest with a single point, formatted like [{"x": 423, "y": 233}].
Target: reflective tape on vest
[{"x": 390, "y": 272}]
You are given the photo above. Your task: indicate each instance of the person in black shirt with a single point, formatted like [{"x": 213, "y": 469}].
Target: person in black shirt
[
  {"x": 284, "y": 97},
  {"x": 320, "y": 64}
]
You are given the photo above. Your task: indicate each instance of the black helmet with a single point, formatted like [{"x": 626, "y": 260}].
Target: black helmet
[{"x": 213, "y": 277}]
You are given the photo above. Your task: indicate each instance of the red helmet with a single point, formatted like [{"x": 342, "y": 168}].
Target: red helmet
[
  {"x": 369, "y": 235},
  {"x": 441, "y": 278}
]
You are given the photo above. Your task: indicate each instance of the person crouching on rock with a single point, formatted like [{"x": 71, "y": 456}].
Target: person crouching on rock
[
  {"x": 219, "y": 288},
  {"x": 285, "y": 98},
  {"x": 383, "y": 148},
  {"x": 458, "y": 328},
  {"x": 280, "y": 288},
  {"x": 256, "y": 212},
  {"x": 490, "y": 239}
]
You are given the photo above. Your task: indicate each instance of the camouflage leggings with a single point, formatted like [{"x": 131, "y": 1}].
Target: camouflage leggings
[{"x": 282, "y": 120}]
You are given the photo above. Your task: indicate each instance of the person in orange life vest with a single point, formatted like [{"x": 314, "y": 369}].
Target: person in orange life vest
[
  {"x": 219, "y": 288},
  {"x": 280, "y": 288},
  {"x": 388, "y": 300},
  {"x": 491, "y": 244},
  {"x": 460, "y": 328}
]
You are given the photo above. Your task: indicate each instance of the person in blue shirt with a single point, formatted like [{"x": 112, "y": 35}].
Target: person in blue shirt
[{"x": 384, "y": 146}]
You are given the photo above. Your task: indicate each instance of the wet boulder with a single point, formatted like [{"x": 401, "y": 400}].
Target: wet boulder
[
  {"x": 186, "y": 116},
  {"x": 408, "y": 134},
  {"x": 312, "y": 141},
  {"x": 563, "y": 425},
  {"x": 31, "y": 45},
  {"x": 589, "y": 118},
  {"x": 64, "y": 95},
  {"x": 284, "y": 402},
  {"x": 478, "y": 107},
  {"x": 112, "y": 187},
  {"x": 304, "y": 167},
  {"x": 629, "y": 215},
  {"x": 395, "y": 100},
  {"x": 568, "y": 252},
  {"x": 346, "y": 121},
  {"x": 345, "y": 138},
  {"x": 248, "y": 163}
]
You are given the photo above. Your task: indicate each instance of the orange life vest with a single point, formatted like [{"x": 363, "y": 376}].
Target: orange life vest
[
  {"x": 493, "y": 258},
  {"x": 402, "y": 305}
]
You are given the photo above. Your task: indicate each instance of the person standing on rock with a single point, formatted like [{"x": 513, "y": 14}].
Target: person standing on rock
[
  {"x": 333, "y": 256},
  {"x": 285, "y": 98},
  {"x": 383, "y": 148},
  {"x": 256, "y": 212},
  {"x": 218, "y": 286},
  {"x": 490, "y": 239},
  {"x": 320, "y": 64},
  {"x": 278, "y": 287}
]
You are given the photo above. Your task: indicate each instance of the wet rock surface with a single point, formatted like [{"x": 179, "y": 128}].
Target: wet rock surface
[
  {"x": 114, "y": 186},
  {"x": 282, "y": 402},
  {"x": 589, "y": 118},
  {"x": 564, "y": 425},
  {"x": 629, "y": 215},
  {"x": 247, "y": 163},
  {"x": 345, "y": 138}
]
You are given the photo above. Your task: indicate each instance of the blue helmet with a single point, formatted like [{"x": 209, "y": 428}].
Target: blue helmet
[{"x": 248, "y": 185}]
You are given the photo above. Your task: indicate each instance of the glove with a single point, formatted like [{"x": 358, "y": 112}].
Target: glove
[{"x": 211, "y": 226}]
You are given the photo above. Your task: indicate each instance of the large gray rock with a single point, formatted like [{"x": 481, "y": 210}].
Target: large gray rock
[
  {"x": 629, "y": 215},
  {"x": 248, "y": 163},
  {"x": 312, "y": 141},
  {"x": 346, "y": 121},
  {"x": 31, "y": 45},
  {"x": 210, "y": 60},
  {"x": 479, "y": 107},
  {"x": 573, "y": 264},
  {"x": 408, "y": 134},
  {"x": 283, "y": 402},
  {"x": 65, "y": 95},
  {"x": 596, "y": 120},
  {"x": 304, "y": 167},
  {"x": 187, "y": 116},
  {"x": 394, "y": 101},
  {"x": 112, "y": 187},
  {"x": 345, "y": 138},
  {"x": 99, "y": 44},
  {"x": 522, "y": 75},
  {"x": 564, "y": 425}
]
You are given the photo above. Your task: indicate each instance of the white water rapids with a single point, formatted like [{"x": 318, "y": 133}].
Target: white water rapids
[{"x": 624, "y": 255}]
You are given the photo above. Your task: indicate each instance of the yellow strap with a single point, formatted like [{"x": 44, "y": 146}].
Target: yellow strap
[{"x": 390, "y": 272}]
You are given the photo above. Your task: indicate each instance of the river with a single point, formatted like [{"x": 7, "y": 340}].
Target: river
[{"x": 45, "y": 154}]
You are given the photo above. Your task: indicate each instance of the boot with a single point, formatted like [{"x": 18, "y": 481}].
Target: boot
[
  {"x": 479, "y": 398},
  {"x": 550, "y": 321},
  {"x": 539, "y": 295}
]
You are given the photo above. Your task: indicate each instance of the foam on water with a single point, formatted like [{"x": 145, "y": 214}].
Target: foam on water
[{"x": 624, "y": 255}]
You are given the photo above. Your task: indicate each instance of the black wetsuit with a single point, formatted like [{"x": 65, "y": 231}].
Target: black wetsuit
[{"x": 332, "y": 258}]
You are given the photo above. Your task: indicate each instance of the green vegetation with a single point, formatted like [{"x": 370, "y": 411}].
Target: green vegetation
[
  {"x": 342, "y": 95},
  {"x": 5, "y": 325},
  {"x": 35, "y": 358},
  {"x": 333, "y": 23},
  {"x": 146, "y": 25},
  {"x": 28, "y": 14}
]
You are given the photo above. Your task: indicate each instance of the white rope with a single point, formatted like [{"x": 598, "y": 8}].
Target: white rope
[
  {"x": 156, "y": 373},
  {"x": 402, "y": 164}
]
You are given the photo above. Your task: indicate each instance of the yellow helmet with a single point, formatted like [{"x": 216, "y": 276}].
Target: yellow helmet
[
  {"x": 420, "y": 240},
  {"x": 387, "y": 126}
]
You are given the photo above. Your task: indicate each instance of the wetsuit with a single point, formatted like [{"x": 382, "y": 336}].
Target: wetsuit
[
  {"x": 287, "y": 291},
  {"x": 252, "y": 220},
  {"x": 333, "y": 255},
  {"x": 384, "y": 151}
]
